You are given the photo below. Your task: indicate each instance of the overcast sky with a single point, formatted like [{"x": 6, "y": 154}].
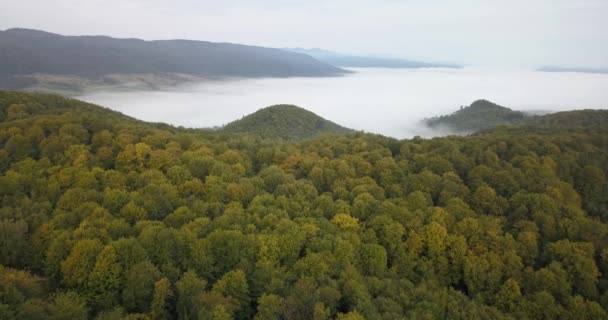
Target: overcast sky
[{"x": 480, "y": 32}]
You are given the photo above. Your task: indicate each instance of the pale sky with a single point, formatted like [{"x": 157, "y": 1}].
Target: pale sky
[{"x": 474, "y": 32}]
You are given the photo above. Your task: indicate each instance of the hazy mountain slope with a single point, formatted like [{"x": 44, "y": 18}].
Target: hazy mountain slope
[
  {"x": 480, "y": 115},
  {"x": 357, "y": 61},
  {"x": 27, "y": 52},
  {"x": 286, "y": 122}
]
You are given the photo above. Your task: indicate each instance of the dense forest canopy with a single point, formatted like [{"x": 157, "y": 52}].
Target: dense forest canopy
[{"x": 107, "y": 217}]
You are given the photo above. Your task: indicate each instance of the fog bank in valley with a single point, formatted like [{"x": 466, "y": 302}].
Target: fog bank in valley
[{"x": 386, "y": 101}]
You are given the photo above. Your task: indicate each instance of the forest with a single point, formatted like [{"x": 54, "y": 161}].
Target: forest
[{"x": 107, "y": 217}]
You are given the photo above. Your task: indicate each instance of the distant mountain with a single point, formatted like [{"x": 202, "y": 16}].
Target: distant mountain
[
  {"x": 480, "y": 115},
  {"x": 572, "y": 69},
  {"x": 356, "y": 61},
  {"x": 26, "y": 54},
  {"x": 286, "y": 122}
]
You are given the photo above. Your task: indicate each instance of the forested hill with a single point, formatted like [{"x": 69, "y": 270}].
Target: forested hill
[
  {"x": 106, "y": 217},
  {"x": 480, "y": 115},
  {"x": 26, "y": 52},
  {"x": 286, "y": 122}
]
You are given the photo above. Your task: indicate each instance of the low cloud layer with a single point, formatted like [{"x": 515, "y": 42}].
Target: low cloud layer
[{"x": 390, "y": 102}]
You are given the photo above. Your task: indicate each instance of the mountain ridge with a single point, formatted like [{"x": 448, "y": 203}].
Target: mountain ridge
[
  {"x": 92, "y": 57},
  {"x": 366, "y": 61},
  {"x": 573, "y": 69}
]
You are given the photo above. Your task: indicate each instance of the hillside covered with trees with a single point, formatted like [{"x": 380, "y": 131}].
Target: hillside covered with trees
[
  {"x": 480, "y": 115},
  {"x": 107, "y": 217},
  {"x": 286, "y": 122}
]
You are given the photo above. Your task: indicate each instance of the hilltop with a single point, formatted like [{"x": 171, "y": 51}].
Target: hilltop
[
  {"x": 480, "y": 115},
  {"x": 32, "y": 57},
  {"x": 284, "y": 121}
]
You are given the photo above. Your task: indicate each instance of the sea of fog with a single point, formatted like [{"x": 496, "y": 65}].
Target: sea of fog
[{"x": 387, "y": 101}]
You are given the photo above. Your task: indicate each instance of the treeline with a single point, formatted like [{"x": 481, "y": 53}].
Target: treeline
[{"x": 106, "y": 217}]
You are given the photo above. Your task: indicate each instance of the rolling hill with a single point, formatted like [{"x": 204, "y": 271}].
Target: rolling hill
[
  {"x": 286, "y": 122},
  {"x": 279, "y": 122}
]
